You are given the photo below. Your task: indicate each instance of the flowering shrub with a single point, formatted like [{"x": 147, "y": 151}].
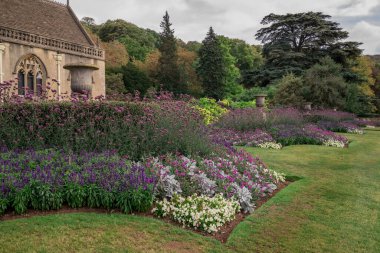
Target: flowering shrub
[
  {"x": 136, "y": 129},
  {"x": 342, "y": 127},
  {"x": 243, "y": 120},
  {"x": 200, "y": 212},
  {"x": 46, "y": 180},
  {"x": 328, "y": 138},
  {"x": 330, "y": 116},
  {"x": 240, "y": 138},
  {"x": 308, "y": 134},
  {"x": 235, "y": 174},
  {"x": 210, "y": 110},
  {"x": 270, "y": 145},
  {"x": 334, "y": 143},
  {"x": 285, "y": 116}
]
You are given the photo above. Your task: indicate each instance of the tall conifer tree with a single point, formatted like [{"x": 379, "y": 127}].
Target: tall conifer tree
[
  {"x": 211, "y": 67},
  {"x": 168, "y": 72}
]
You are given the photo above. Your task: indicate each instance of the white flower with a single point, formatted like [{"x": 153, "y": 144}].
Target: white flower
[{"x": 270, "y": 145}]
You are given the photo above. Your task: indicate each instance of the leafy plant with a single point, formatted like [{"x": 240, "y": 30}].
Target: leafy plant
[
  {"x": 210, "y": 110},
  {"x": 43, "y": 198},
  {"x": 21, "y": 200},
  {"x": 75, "y": 195},
  {"x": 3, "y": 205},
  {"x": 137, "y": 200}
]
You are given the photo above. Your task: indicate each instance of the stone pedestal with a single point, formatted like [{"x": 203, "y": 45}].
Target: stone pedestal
[
  {"x": 260, "y": 100},
  {"x": 307, "y": 107}
]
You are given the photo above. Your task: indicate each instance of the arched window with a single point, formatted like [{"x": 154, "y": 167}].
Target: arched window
[
  {"x": 31, "y": 76},
  {"x": 39, "y": 83},
  {"x": 30, "y": 82},
  {"x": 21, "y": 83}
]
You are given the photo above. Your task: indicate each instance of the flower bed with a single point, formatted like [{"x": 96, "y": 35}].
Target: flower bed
[
  {"x": 257, "y": 138},
  {"x": 341, "y": 127},
  {"x": 235, "y": 174},
  {"x": 200, "y": 212},
  {"x": 137, "y": 129},
  {"x": 47, "y": 180},
  {"x": 308, "y": 134}
]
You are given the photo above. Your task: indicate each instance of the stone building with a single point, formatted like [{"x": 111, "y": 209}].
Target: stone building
[{"x": 43, "y": 44}]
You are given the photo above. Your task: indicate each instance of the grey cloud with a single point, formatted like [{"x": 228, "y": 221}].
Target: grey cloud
[
  {"x": 234, "y": 18},
  {"x": 349, "y": 4}
]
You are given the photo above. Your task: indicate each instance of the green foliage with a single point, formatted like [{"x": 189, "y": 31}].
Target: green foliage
[
  {"x": 193, "y": 46},
  {"x": 135, "y": 50},
  {"x": 135, "y": 79},
  {"x": 3, "y": 205},
  {"x": 168, "y": 70},
  {"x": 357, "y": 101},
  {"x": 295, "y": 42},
  {"x": 135, "y": 201},
  {"x": 324, "y": 84},
  {"x": 115, "y": 83},
  {"x": 40, "y": 197},
  {"x": 242, "y": 104},
  {"x": 290, "y": 92},
  {"x": 211, "y": 66},
  {"x": 21, "y": 200},
  {"x": 138, "y": 42},
  {"x": 94, "y": 195},
  {"x": 43, "y": 198},
  {"x": 75, "y": 195},
  {"x": 247, "y": 58},
  {"x": 210, "y": 110},
  {"x": 216, "y": 68},
  {"x": 232, "y": 73}
]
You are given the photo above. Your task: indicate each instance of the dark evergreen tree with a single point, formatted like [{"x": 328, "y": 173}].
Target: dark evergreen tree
[
  {"x": 135, "y": 79},
  {"x": 295, "y": 42},
  {"x": 211, "y": 66},
  {"x": 168, "y": 70}
]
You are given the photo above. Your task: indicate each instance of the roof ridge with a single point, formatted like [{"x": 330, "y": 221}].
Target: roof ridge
[
  {"x": 74, "y": 16},
  {"x": 54, "y": 2}
]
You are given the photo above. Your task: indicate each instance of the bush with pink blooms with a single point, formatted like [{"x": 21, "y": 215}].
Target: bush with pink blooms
[
  {"x": 284, "y": 126},
  {"x": 136, "y": 129}
]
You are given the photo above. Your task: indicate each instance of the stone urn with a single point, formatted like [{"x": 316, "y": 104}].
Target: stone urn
[
  {"x": 81, "y": 77},
  {"x": 307, "y": 107},
  {"x": 260, "y": 100}
]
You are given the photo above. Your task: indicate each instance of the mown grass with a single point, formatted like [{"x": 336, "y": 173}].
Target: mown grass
[{"x": 334, "y": 207}]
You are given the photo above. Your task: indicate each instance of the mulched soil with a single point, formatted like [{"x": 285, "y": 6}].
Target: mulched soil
[{"x": 222, "y": 235}]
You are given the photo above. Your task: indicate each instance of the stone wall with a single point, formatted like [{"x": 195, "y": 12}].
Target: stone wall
[{"x": 14, "y": 52}]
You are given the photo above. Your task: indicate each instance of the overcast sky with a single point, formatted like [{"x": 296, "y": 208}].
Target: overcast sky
[{"x": 235, "y": 18}]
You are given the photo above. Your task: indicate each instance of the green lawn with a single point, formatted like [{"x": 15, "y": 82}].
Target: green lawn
[{"x": 333, "y": 208}]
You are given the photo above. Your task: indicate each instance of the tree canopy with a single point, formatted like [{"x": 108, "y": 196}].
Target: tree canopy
[
  {"x": 138, "y": 41},
  {"x": 295, "y": 42}
]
